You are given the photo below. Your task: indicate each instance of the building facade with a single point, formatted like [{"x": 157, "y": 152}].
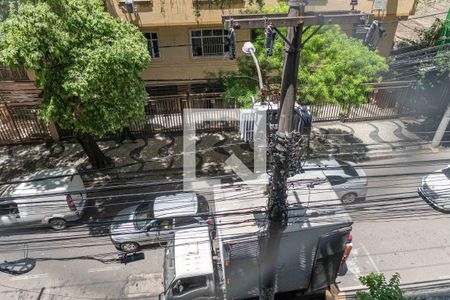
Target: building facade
[{"x": 188, "y": 43}]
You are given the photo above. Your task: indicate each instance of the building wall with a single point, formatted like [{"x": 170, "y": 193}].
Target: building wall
[
  {"x": 173, "y": 20},
  {"x": 178, "y": 12},
  {"x": 182, "y": 12},
  {"x": 176, "y": 61},
  {"x": 399, "y": 8}
]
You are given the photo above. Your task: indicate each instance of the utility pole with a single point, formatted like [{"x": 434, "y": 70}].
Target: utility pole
[
  {"x": 277, "y": 208},
  {"x": 285, "y": 144}
]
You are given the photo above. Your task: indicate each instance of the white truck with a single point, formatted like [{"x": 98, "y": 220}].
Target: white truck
[{"x": 229, "y": 266}]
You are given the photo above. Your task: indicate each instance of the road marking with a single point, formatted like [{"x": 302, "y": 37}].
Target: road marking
[
  {"x": 370, "y": 258},
  {"x": 352, "y": 264},
  {"x": 26, "y": 277},
  {"x": 112, "y": 268},
  {"x": 444, "y": 277}
]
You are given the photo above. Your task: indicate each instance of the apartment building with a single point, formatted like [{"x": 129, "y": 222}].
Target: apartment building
[{"x": 187, "y": 41}]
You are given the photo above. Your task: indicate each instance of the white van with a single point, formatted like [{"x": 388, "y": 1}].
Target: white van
[{"x": 48, "y": 197}]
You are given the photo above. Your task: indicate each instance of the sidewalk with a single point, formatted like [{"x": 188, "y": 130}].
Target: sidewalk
[
  {"x": 378, "y": 139},
  {"x": 160, "y": 157}
]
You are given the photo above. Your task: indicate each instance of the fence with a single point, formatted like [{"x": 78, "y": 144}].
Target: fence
[
  {"x": 7, "y": 73},
  {"x": 19, "y": 124},
  {"x": 383, "y": 104},
  {"x": 163, "y": 114}
]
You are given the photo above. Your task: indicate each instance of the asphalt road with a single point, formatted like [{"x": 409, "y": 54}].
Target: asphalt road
[
  {"x": 80, "y": 262},
  {"x": 395, "y": 230}
]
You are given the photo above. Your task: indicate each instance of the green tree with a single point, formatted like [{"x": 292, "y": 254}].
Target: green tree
[
  {"x": 87, "y": 62},
  {"x": 332, "y": 69},
  {"x": 379, "y": 289},
  {"x": 427, "y": 37}
]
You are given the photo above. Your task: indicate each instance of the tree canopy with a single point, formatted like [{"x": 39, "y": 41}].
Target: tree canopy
[
  {"x": 379, "y": 289},
  {"x": 87, "y": 62},
  {"x": 332, "y": 69}
]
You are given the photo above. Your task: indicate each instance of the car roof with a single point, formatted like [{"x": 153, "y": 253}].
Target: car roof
[
  {"x": 193, "y": 252},
  {"x": 176, "y": 205},
  {"x": 42, "y": 182}
]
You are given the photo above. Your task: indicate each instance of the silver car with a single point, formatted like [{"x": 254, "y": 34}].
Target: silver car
[
  {"x": 347, "y": 179},
  {"x": 156, "y": 220},
  {"x": 435, "y": 189}
]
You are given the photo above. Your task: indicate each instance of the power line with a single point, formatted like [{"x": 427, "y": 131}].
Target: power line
[{"x": 159, "y": 183}]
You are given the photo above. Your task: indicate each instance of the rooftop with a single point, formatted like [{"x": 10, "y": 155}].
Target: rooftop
[
  {"x": 193, "y": 252},
  {"x": 240, "y": 208}
]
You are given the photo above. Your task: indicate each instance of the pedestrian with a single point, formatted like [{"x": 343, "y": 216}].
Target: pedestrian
[{"x": 125, "y": 133}]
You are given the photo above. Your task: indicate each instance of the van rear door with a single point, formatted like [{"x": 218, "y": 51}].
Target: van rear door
[{"x": 76, "y": 199}]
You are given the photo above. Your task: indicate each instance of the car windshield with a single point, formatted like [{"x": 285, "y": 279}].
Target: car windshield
[
  {"x": 169, "y": 265},
  {"x": 143, "y": 215},
  {"x": 203, "y": 207},
  {"x": 347, "y": 168},
  {"x": 446, "y": 172}
]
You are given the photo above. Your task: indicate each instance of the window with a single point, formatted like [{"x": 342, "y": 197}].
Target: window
[
  {"x": 8, "y": 209},
  {"x": 209, "y": 42},
  {"x": 336, "y": 180},
  {"x": 185, "y": 221},
  {"x": 446, "y": 172},
  {"x": 152, "y": 44},
  {"x": 143, "y": 214},
  {"x": 166, "y": 224},
  {"x": 186, "y": 285},
  {"x": 347, "y": 168}
]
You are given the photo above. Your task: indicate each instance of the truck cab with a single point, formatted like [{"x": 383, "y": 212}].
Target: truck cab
[{"x": 188, "y": 266}]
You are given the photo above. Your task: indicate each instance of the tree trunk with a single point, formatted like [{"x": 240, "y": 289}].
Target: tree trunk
[{"x": 96, "y": 157}]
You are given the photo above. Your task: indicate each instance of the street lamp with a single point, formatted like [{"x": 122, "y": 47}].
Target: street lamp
[{"x": 249, "y": 49}]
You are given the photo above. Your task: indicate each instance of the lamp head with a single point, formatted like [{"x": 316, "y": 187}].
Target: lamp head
[{"x": 248, "y": 48}]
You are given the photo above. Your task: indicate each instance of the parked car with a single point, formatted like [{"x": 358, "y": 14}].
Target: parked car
[
  {"x": 435, "y": 189},
  {"x": 347, "y": 179},
  {"x": 156, "y": 220},
  {"x": 48, "y": 197}
]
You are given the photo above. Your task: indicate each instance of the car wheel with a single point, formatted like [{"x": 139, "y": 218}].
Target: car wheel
[
  {"x": 57, "y": 223},
  {"x": 129, "y": 247},
  {"x": 349, "y": 198}
]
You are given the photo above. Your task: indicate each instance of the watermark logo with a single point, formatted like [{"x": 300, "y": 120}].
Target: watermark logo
[{"x": 252, "y": 129}]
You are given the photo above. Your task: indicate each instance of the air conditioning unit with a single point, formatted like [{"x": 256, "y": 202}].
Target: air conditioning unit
[
  {"x": 129, "y": 5},
  {"x": 301, "y": 121}
]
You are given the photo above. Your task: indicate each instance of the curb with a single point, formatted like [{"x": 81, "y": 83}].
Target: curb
[
  {"x": 391, "y": 153},
  {"x": 423, "y": 290}
]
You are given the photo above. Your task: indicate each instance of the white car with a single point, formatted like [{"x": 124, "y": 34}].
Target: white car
[
  {"x": 347, "y": 179},
  {"x": 435, "y": 189}
]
